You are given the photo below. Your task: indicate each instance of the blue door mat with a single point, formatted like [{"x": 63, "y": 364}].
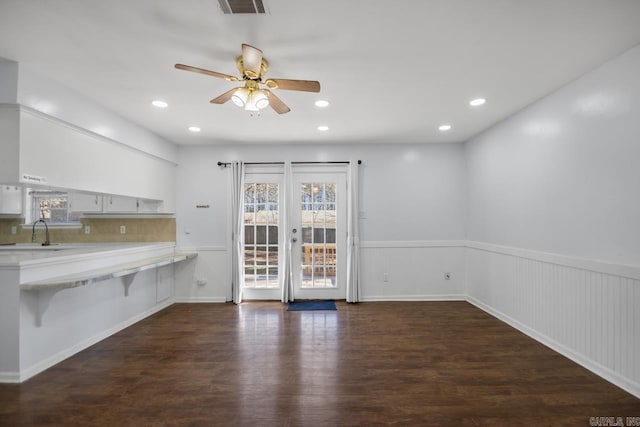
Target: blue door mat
[{"x": 311, "y": 305}]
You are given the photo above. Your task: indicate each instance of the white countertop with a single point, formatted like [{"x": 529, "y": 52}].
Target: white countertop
[
  {"x": 93, "y": 276},
  {"x": 28, "y": 254}
]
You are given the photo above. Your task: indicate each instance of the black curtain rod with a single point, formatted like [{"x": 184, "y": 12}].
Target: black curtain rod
[{"x": 225, "y": 164}]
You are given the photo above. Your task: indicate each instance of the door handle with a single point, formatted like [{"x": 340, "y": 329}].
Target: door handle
[{"x": 294, "y": 239}]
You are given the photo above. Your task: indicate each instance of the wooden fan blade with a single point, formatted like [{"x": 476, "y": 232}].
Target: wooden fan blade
[
  {"x": 301, "y": 85},
  {"x": 276, "y": 103},
  {"x": 224, "y": 97},
  {"x": 206, "y": 72},
  {"x": 251, "y": 61}
]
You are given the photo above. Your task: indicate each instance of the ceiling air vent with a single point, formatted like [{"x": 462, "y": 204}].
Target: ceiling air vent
[{"x": 232, "y": 7}]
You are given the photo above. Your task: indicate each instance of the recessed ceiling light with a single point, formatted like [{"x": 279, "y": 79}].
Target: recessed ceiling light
[
  {"x": 477, "y": 101},
  {"x": 322, "y": 103},
  {"x": 323, "y": 128},
  {"x": 159, "y": 104},
  {"x": 194, "y": 128},
  {"x": 444, "y": 127}
]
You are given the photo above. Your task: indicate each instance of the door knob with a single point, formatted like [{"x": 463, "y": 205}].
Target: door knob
[{"x": 293, "y": 239}]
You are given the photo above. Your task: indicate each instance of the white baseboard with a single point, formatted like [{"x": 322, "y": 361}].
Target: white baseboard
[
  {"x": 9, "y": 377},
  {"x": 445, "y": 297},
  {"x": 603, "y": 372},
  {"x": 199, "y": 299},
  {"x": 64, "y": 354}
]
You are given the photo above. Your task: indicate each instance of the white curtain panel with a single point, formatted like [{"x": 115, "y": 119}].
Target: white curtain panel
[
  {"x": 353, "y": 233},
  {"x": 237, "y": 215},
  {"x": 286, "y": 276}
]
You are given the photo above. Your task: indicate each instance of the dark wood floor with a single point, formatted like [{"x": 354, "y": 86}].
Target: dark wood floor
[{"x": 415, "y": 364}]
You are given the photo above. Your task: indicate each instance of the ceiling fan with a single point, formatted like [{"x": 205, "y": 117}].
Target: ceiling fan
[{"x": 251, "y": 96}]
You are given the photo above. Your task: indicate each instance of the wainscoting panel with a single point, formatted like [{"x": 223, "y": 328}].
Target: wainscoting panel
[
  {"x": 412, "y": 271},
  {"x": 587, "y": 310},
  {"x": 204, "y": 278}
]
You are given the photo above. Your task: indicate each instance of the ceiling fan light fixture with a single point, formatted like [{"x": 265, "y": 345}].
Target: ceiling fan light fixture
[
  {"x": 260, "y": 99},
  {"x": 256, "y": 100},
  {"x": 251, "y": 103},
  {"x": 252, "y": 67},
  {"x": 322, "y": 103},
  {"x": 240, "y": 96}
]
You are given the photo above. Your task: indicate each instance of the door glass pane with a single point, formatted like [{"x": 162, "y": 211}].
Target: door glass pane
[
  {"x": 318, "y": 210},
  {"x": 261, "y": 235}
]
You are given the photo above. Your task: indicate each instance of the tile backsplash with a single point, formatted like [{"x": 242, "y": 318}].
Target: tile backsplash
[{"x": 102, "y": 230}]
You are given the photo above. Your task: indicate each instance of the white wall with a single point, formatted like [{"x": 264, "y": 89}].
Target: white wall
[
  {"x": 9, "y": 143},
  {"x": 554, "y": 220},
  {"x": 411, "y": 196},
  {"x": 8, "y": 81},
  {"x": 562, "y": 175},
  {"x": 9, "y": 324}
]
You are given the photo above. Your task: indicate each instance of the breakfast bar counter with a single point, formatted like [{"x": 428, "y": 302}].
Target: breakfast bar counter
[{"x": 60, "y": 299}]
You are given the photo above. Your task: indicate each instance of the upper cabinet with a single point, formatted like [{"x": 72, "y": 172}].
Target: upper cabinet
[
  {"x": 11, "y": 200},
  {"x": 121, "y": 204},
  {"x": 117, "y": 204},
  {"x": 40, "y": 150},
  {"x": 89, "y": 203},
  {"x": 85, "y": 202}
]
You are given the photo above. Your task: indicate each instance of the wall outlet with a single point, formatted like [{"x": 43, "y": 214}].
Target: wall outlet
[
  {"x": 385, "y": 277},
  {"x": 14, "y": 230},
  {"x": 201, "y": 282},
  {"x": 123, "y": 229},
  {"x": 447, "y": 276},
  {"x": 87, "y": 229}
]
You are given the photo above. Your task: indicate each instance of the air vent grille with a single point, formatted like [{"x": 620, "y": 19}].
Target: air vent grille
[{"x": 232, "y": 7}]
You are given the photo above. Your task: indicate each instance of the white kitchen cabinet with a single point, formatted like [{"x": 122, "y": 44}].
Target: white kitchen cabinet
[
  {"x": 79, "y": 202},
  {"x": 41, "y": 150},
  {"x": 11, "y": 200},
  {"x": 120, "y": 204},
  {"x": 149, "y": 206},
  {"x": 90, "y": 203}
]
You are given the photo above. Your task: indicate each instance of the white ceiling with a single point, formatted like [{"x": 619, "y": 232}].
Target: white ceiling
[{"x": 393, "y": 71}]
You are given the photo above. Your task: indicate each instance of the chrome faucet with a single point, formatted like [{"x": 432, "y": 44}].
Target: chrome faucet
[{"x": 33, "y": 232}]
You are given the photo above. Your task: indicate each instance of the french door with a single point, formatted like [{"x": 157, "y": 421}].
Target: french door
[
  {"x": 317, "y": 234},
  {"x": 263, "y": 236}
]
